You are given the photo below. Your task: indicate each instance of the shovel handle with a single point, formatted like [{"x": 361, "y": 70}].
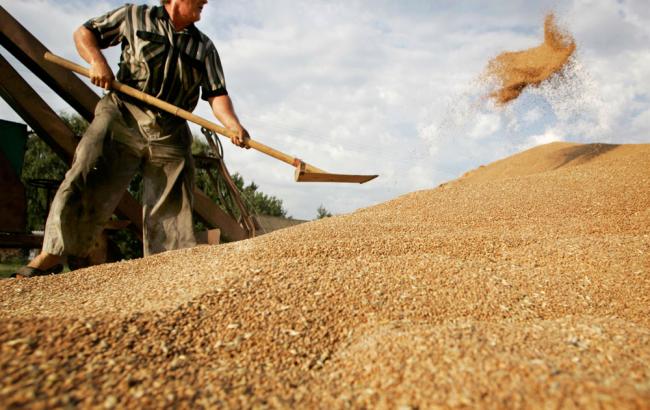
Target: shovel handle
[{"x": 179, "y": 112}]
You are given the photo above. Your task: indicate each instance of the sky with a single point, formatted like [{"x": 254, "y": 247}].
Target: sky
[{"x": 393, "y": 87}]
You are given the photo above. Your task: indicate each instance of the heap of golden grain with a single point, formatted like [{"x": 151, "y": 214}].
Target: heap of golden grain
[{"x": 526, "y": 283}]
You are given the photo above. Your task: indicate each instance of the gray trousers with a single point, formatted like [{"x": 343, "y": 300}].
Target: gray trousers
[{"x": 122, "y": 139}]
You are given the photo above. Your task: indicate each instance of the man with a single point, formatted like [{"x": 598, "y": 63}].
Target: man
[{"x": 165, "y": 55}]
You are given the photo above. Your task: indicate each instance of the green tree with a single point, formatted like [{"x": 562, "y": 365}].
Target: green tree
[
  {"x": 261, "y": 203},
  {"x": 321, "y": 212},
  {"x": 43, "y": 170}
]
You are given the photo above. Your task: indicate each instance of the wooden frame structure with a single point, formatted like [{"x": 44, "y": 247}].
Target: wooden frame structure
[{"x": 42, "y": 119}]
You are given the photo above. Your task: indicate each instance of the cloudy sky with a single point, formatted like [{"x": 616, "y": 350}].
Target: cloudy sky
[{"x": 393, "y": 87}]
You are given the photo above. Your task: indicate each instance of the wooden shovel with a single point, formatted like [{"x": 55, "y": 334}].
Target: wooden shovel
[{"x": 304, "y": 171}]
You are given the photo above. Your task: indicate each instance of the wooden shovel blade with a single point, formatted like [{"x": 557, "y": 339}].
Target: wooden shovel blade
[{"x": 325, "y": 177}]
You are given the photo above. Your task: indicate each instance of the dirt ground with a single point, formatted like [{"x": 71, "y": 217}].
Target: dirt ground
[{"x": 523, "y": 284}]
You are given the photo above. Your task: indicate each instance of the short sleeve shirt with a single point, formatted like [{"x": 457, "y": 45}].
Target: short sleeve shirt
[{"x": 174, "y": 66}]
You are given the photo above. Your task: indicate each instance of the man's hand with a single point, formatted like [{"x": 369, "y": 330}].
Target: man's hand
[
  {"x": 241, "y": 137},
  {"x": 101, "y": 74}
]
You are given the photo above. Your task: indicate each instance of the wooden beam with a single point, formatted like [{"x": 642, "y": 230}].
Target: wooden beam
[
  {"x": 303, "y": 174},
  {"x": 31, "y": 108},
  {"x": 29, "y": 51},
  {"x": 214, "y": 216},
  {"x": 20, "y": 240},
  {"x": 209, "y": 237}
]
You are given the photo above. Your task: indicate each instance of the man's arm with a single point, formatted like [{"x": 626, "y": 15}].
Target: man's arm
[
  {"x": 225, "y": 112},
  {"x": 88, "y": 48}
]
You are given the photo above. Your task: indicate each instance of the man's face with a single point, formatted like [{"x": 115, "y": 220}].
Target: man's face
[{"x": 190, "y": 10}]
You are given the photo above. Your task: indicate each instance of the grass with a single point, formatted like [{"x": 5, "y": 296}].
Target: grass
[{"x": 7, "y": 268}]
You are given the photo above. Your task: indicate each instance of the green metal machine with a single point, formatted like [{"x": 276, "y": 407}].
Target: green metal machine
[{"x": 13, "y": 139}]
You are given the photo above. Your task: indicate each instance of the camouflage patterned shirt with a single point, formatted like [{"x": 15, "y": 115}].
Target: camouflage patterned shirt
[{"x": 168, "y": 64}]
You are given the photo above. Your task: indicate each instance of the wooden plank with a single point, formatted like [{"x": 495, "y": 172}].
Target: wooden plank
[
  {"x": 18, "y": 240},
  {"x": 214, "y": 216},
  {"x": 325, "y": 177},
  {"x": 304, "y": 174}
]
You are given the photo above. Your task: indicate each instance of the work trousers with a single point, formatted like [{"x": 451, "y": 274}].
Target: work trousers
[{"x": 122, "y": 140}]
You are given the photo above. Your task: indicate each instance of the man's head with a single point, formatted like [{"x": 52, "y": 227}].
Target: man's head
[{"x": 184, "y": 12}]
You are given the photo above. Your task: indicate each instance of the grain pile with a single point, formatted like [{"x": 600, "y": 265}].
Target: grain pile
[
  {"x": 514, "y": 71},
  {"x": 524, "y": 284}
]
